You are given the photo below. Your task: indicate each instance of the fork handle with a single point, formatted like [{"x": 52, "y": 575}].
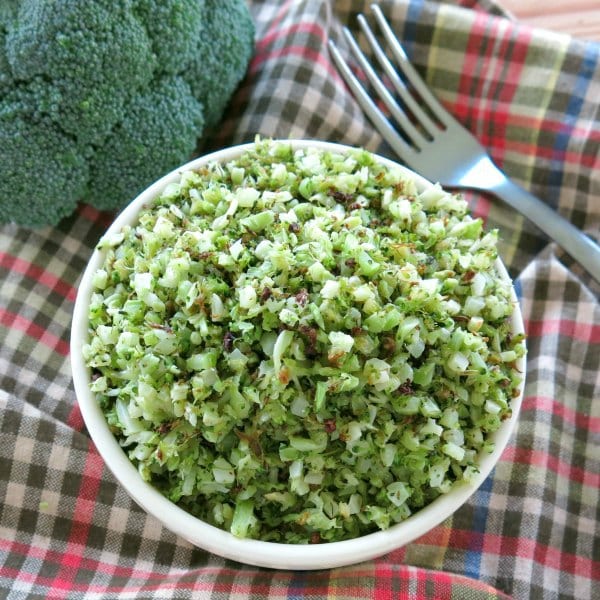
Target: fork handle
[{"x": 576, "y": 243}]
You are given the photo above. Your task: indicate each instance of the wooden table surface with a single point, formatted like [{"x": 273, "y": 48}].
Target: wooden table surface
[{"x": 580, "y": 18}]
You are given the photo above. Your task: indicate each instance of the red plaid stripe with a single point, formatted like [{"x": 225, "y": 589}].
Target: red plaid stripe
[
  {"x": 38, "y": 274},
  {"x": 17, "y": 322},
  {"x": 550, "y": 405}
]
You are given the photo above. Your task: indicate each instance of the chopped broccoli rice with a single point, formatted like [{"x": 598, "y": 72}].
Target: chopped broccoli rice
[{"x": 300, "y": 346}]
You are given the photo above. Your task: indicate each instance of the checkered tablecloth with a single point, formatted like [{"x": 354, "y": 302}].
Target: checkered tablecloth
[{"x": 68, "y": 530}]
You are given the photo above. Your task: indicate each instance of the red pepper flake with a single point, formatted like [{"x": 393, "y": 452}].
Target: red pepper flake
[
  {"x": 341, "y": 196},
  {"x": 388, "y": 344},
  {"x": 329, "y": 425},
  {"x": 228, "y": 340},
  {"x": 253, "y": 441},
  {"x": 201, "y": 304},
  {"x": 513, "y": 365},
  {"x": 302, "y": 297},
  {"x": 162, "y": 327},
  {"x": 334, "y": 358},
  {"x": 265, "y": 294},
  {"x": 310, "y": 333},
  {"x": 284, "y": 376},
  {"x": 400, "y": 187},
  {"x": 164, "y": 428},
  {"x": 405, "y": 388},
  {"x": 461, "y": 318}
]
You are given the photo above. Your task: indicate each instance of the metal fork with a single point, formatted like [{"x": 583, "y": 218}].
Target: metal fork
[{"x": 433, "y": 143}]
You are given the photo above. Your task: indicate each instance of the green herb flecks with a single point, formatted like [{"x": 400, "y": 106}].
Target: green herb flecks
[{"x": 300, "y": 346}]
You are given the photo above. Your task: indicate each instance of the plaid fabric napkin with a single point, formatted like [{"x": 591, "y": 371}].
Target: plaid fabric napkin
[{"x": 68, "y": 530}]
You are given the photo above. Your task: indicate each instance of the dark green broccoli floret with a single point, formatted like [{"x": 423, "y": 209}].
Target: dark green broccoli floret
[
  {"x": 74, "y": 46},
  {"x": 49, "y": 166},
  {"x": 222, "y": 55},
  {"x": 7, "y": 14},
  {"x": 5, "y": 75},
  {"x": 170, "y": 116},
  {"x": 100, "y": 98},
  {"x": 8, "y": 11},
  {"x": 174, "y": 28}
]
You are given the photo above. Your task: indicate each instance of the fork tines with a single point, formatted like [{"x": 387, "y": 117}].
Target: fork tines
[{"x": 413, "y": 125}]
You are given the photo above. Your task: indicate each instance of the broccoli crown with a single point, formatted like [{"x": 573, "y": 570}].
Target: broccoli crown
[
  {"x": 100, "y": 98},
  {"x": 8, "y": 11},
  {"x": 50, "y": 166},
  {"x": 211, "y": 75},
  {"x": 169, "y": 115},
  {"x": 96, "y": 56},
  {"x": 5, "y": 78},
  {"x": 7, "y": 14},
  {"x": 174, "y": 28}
]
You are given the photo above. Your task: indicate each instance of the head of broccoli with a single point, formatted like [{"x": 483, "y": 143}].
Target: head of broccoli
[{"x": 100, "y": 98}]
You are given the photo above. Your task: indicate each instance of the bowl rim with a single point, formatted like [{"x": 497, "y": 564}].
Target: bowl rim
[{"x": 220, "y": 542}]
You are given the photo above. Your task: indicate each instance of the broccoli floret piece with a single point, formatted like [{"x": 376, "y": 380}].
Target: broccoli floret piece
[
  {"x": 100, "y": 98},
  {"x": 43, "y": 162},
  {"x": 222, "y": 55},
  {"x": 5, "y": 75},
  {"x": 49, "y": 166},
  {"x": 170, "y": 116},
  {"x": 174, "y": 28},
  {"x": 73, "y": 45},
  {"x": 8, "y": 11}
]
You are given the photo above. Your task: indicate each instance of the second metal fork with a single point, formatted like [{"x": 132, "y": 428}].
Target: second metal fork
[{"x": 433, "y": 143}]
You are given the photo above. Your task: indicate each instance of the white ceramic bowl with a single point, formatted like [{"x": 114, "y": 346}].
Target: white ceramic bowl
[{"x": 217, "y": 541}]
